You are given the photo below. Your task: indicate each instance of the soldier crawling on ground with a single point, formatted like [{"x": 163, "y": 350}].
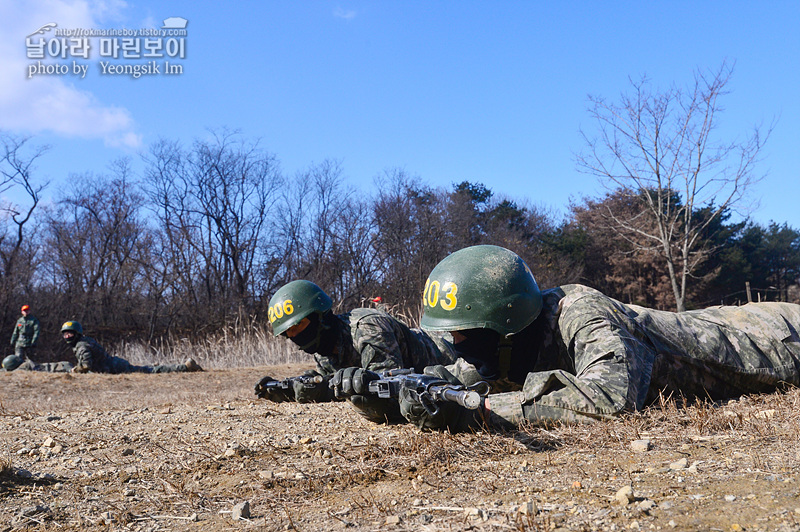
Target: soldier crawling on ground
[
  {"x": 365, "y": 338},
  {"x": 12, "y": 362},
  {"x": 573, "y": 354},
  {"x": 92, "y": 357}
]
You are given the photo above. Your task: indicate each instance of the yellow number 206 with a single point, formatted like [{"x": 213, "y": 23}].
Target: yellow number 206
[
  {"x": 444, "y": 295},
  {"x": 280, "y": 310}
]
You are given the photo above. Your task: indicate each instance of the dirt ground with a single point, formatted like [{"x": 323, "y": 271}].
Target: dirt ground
[{"x": 184, "y": 451}]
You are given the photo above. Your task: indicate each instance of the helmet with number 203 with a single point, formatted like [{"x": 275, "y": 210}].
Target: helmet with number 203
[
  {"x": 481, "y": 287},
  {"x": 293, "y": 302}
]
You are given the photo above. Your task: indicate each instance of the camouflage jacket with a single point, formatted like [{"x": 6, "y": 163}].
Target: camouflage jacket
[
  {"x": 588, "y": 356},
  {"x": 91, "y": 356},
  {"x": 26, "y": 332},
  {"x": 372, "y": 339}
]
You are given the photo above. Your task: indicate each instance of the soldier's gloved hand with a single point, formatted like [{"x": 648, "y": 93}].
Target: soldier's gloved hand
[
  {"x": 462, "y": 372},
  {"x": 352, "y": 381},
  {"x": 276, "y": 395},
  {"x": 312, "y": 392},
  {"x": 451, "y": 416}
]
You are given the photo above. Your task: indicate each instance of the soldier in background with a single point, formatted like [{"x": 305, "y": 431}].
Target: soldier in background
[
  {"x": 92, "y": 357},
  {"x": 12, "y": 362},
  {"x": 26, "y": 334},
  {"x": 574, "y": 354},
  {"x": 363, "y": 338}
]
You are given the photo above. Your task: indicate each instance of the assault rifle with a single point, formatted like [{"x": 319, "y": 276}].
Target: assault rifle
[
  {"x": 308, "y": 381},
  {"x": 429, "y": 388}
]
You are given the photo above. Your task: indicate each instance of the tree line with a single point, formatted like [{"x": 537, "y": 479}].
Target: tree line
[
  {"x": 208, "y": 232},
  {"x": 198, "y": 240}
]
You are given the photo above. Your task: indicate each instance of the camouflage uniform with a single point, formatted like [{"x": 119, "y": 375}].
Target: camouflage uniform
[
  {"x": 92, "y": 357},
  {"x": 374, "y": 340},
  {"x": 25, "y": 335},
  {"x": 588, "y": 356},
  {"x": 50, "y": 367}
]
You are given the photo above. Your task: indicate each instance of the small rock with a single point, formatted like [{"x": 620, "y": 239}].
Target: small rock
[
  {"x": 528, "y": 508},
  {"x": 266, "y": 475},
  {"x": 230, "y": 453},
  {"x": 306, "y": 440},
  {"x": 730, "y": 498},
  {"x": 672, "y": 523},
  {"x": 129, "y": 493},
  {"x": 577, "y": 485},
  {"x": 683, "y": 463},
  {"x": 127, "y": 452},
  {"x": 107, "y": 518},
  {"x": 241, "y": 511},
  {"x": 23, "y": 473},
  {"x": 736, "y": 527},
  {"x": 49, "y": 442},
  {"x": 56, "y": 449},
  {"x": 27, "y": 511},
  {"x": 641, "y": 446},
  {"x": 624, "y": 495},
  {"x": 647, "y": 505},
  {"x": 393, "y": 520},
  {"x": 193, "y": 518}
]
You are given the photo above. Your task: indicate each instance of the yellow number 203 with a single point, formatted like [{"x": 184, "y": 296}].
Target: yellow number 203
[
  {"x": 444, "y": 295},
  {"x": 280, "y": 310}
]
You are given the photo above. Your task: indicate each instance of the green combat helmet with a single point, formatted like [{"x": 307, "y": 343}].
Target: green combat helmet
[
  {"x": 12, "y": 362},
  {"x": 481, "y": 287},
  {"x": 295, "y": 301},
  {"x": 73, "y": 326}
]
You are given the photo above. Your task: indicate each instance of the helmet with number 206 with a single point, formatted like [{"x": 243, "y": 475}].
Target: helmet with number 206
[
  {"x": 481, "y": 287},
  {"x": 293, "y": 302}
]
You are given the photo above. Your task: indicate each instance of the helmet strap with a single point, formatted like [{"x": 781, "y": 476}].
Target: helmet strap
[{"x": 504, "y": 357}]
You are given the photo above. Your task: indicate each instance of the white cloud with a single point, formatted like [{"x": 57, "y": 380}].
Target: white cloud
[
  {"x": 50, "y": 103},
  {"x": 347, "y": 14}
]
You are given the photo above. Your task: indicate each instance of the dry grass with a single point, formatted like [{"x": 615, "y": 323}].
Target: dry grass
[{"x": 231, "y": 348}]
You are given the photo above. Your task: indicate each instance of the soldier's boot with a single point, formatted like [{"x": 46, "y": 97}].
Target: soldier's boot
[{"x": 192, "y": 365}]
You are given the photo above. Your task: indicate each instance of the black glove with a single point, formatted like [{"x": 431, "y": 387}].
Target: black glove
[
  {"x": 315, "y": 392},
  {"x": 353, "y": 383},
  {"x": 276, "y": 395}
]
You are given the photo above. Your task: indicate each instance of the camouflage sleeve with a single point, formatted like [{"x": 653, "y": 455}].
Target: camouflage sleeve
[
  {"x": 35, "y": 332},
  {"x": 612, "y": 370},
  {"x": 14, "y": 335},
  {"x": 83, "y": 354},
  {"x": 377, "y": 342}
]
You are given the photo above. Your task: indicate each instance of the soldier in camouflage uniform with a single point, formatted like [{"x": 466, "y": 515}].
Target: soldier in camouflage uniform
[
  {"x": 573, "y": 354},
  {"x": 26, "y": 333},
  {"x": 12, "y": 362},
  {"x": 92, "y": 357},
  {"x": 363, "y": 338}
]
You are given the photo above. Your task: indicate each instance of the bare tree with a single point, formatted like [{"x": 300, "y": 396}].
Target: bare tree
[
  {"x": 97, "y": 245},
  {"x": 325, "y": 235},
  {"x": 655, "y": 145},
  {"x": 17, "y": 181},
  {"x": 212, "y": 203}
]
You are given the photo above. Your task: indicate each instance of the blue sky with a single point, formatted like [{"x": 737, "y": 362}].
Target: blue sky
[{"x": 491, "y": 92}]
